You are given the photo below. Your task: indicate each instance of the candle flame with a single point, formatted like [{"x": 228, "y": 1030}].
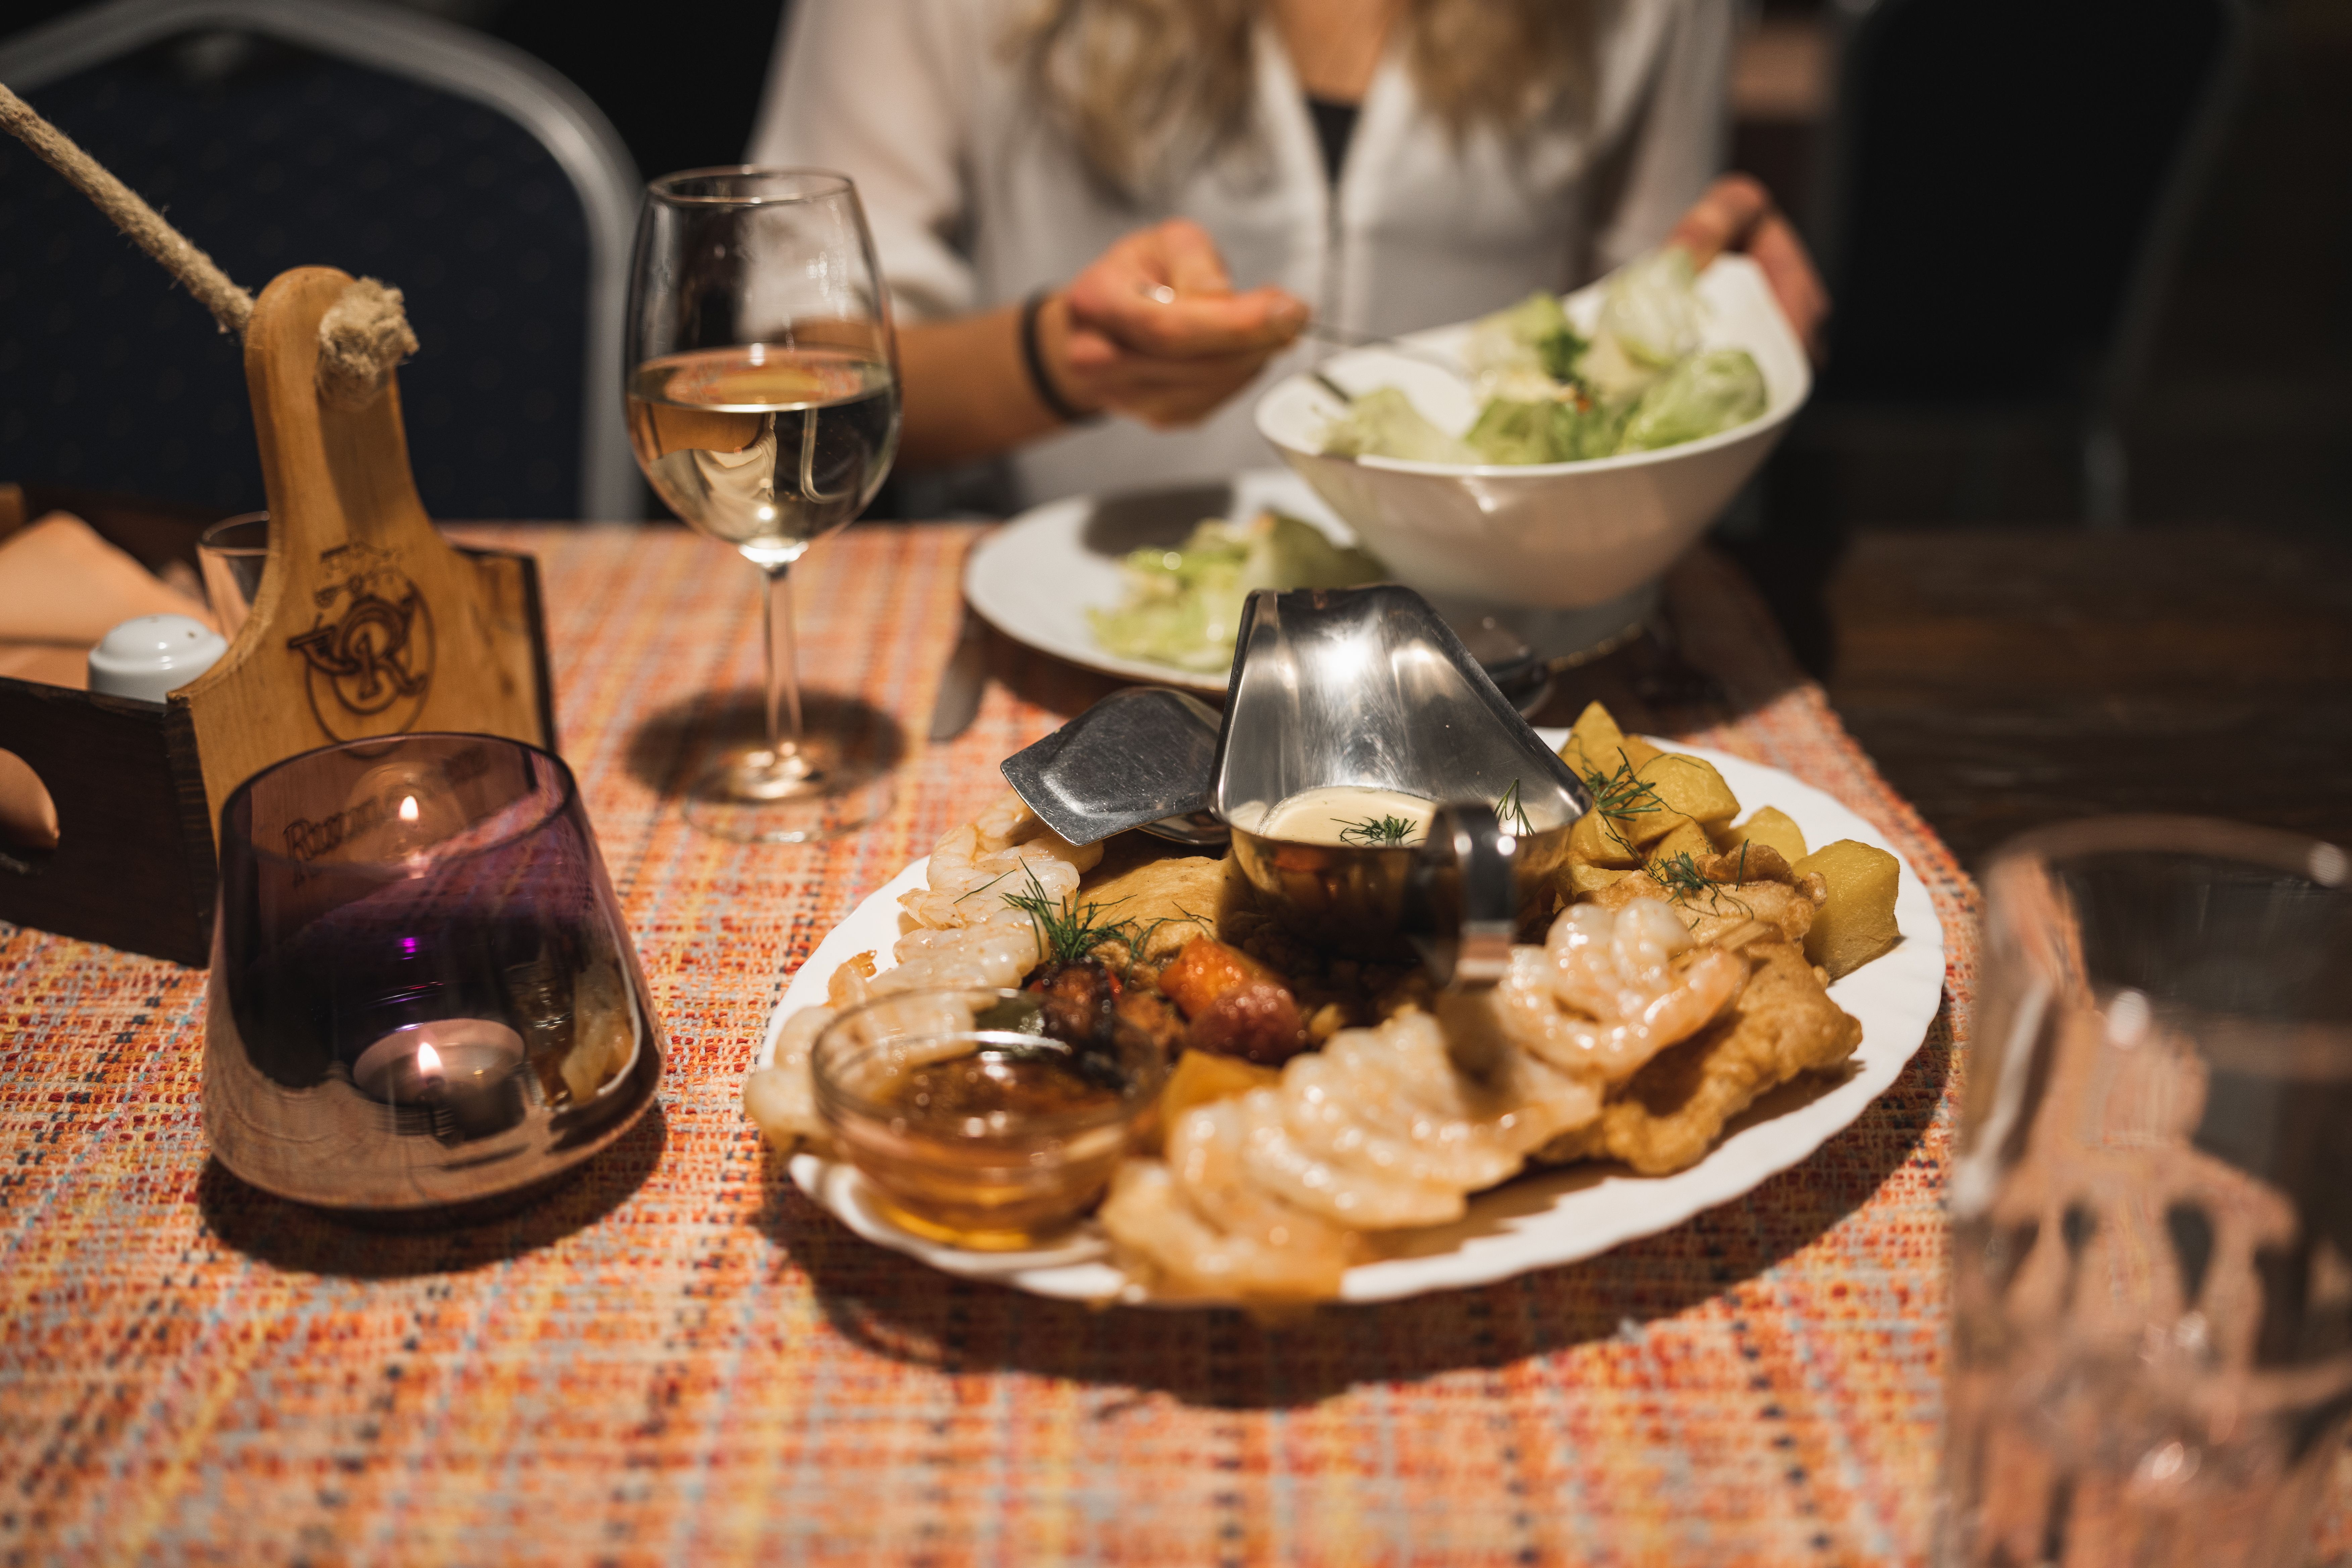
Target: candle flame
[
  {"x": 408, "y": 808},
  {"x": 428, "y": 1058}
]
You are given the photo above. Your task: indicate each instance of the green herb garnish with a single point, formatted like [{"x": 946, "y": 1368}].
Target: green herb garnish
[
  {"x": 1512, "y": 812},
  {"x": 1068, "y": 932},
  {"x": 1621, "y": 797},
  {"x": 1137, "y": 941},
  {"x": 1679, "y": 875},
  {"x": 985, "y": 885},
  {"x": 1377, "y": 832}
]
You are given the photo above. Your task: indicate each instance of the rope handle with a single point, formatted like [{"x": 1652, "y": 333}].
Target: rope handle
[{"x": 362, "y": 336}]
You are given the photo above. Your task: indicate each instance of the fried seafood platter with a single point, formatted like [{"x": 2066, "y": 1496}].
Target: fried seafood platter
[{"x": 1733, "y": 966}]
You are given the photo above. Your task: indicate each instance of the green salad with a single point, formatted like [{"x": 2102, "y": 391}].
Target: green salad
[
  {"x": 1640, "y": 382},
  {"x": 1184, "y": 605}
]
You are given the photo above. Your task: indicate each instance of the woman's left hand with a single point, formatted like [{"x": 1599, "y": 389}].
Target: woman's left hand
[{"x": 1738, "y": 214}]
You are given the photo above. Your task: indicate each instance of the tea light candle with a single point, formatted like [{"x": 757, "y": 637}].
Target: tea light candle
[{"x": 464, "y": 1070}]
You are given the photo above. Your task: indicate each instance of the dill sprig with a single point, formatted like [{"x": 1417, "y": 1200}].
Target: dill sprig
[
  {"x": 1069, "y": 930},
  {"x": 1377, "y": 832},
  {"x": 1679, "y": 875},
  {"x": 1512, "y": 811},
  {"x": 967, "y": 892},
  {"x": 1138, "y": 941},
  {"x": 1621, "y": 797},
  {"x": 1623, "y": 792}
]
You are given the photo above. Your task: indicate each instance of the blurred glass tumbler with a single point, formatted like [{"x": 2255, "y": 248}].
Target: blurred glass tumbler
[
  {"x": 230, "y": 556},
  {"x": 2151, "y": 1203},
  {"x": 422, "y": 990}
]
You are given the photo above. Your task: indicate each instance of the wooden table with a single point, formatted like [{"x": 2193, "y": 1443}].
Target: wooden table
[{"x": 2002, "y": 679}]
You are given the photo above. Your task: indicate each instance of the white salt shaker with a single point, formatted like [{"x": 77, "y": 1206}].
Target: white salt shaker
[{"x": 149, "y": 656}]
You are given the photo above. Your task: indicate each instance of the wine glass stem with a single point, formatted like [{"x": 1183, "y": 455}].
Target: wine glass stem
[{"x": 783, "y": 710}]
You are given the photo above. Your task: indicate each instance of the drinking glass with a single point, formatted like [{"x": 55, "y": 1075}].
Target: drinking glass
[
  {"x": 423, "y": 993},
  {"x": 230, "y": 556},
  {"x": 2151, "y": 1203},
  {"x": 764, "y": 407}
]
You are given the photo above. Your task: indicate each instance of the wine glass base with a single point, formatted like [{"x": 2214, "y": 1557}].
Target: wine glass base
[{"x": 752, "y": 797}]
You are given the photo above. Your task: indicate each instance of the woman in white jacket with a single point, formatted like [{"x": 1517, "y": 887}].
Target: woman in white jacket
[{"x": 1066, "y": 195}]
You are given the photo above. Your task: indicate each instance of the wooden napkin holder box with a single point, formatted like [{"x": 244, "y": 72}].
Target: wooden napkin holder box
[{"x": 367, "y": 623}]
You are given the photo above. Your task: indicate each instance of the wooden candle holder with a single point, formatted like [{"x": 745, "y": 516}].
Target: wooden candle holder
[{"x": 367, "y": 623}]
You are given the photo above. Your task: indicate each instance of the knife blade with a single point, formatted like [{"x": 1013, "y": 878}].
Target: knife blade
[{"x": 963, "y": 679}]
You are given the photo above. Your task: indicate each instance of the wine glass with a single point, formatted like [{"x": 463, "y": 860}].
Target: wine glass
[{"x": 763, "y": 408}]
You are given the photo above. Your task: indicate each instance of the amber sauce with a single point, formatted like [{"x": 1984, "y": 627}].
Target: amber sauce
[
  {"x": 994, "y": 1089},
  {"x": 992, "y": 1150}
]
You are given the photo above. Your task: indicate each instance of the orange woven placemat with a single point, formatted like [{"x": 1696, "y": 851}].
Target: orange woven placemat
[{"x": 678, "y": 1358}]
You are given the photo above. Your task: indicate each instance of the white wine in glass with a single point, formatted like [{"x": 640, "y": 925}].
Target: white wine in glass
[{"x": 764, "y": 407}]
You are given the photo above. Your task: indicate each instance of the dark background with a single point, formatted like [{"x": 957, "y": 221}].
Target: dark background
[
  {"x": 2243, "y": 414},
  {"x": 2003, "y": 663}
]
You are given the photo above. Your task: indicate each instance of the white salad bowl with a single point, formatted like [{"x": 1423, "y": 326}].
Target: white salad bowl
[{"x": 1579, "y": 544}]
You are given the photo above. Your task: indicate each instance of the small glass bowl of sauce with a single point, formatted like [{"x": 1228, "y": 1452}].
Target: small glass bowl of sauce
[{"x": 969, "y": 1123}]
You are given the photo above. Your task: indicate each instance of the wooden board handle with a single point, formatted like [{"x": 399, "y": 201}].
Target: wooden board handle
[{"x": 367, "y": 622}]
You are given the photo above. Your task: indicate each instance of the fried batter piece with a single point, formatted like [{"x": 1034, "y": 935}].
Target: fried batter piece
[
  {"x": 1670, "y": 1113},
  {"x": 1756, "y": 885},
  {"x": 1155, "y": 887}
]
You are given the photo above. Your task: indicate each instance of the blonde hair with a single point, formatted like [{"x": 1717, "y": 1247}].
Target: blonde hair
[{"x": 1144, "y": 86}]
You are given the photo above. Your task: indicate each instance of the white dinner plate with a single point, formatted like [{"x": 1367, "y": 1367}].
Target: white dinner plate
[
  {"x": 1035, "y": 578},
  {"x": 1540, "y": 1219}
]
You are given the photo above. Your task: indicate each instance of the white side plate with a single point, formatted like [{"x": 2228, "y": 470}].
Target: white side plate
[{"x": 1035, "y": 578}]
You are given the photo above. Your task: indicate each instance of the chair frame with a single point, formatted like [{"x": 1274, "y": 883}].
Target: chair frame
[
  {"x": 465, "y": 64},
  {"x": 2105, "y": 476}
]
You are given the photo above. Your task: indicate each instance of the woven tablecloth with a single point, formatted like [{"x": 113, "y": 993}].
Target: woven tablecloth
[{"x": 678, "y": 1358}]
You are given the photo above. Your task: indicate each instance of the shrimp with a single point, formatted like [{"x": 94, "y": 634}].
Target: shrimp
[
  {"x": 1000, "y": 950},
  {"x": 1358, "y": 1192},
  {"x": 1469, "y": 1108},
  {"x": 1197, "y": 1225},
  {"x": 964, "y": 935},
  {"x": 1002, "y": 851},
  {"x": 1603, "y": 994},
  {"x": 783, "y": 1097},
  {"x": 1394, "y": 1127}
]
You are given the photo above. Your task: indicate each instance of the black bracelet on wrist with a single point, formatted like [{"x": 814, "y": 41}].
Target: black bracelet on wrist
[{"x": 1032, "y": 360}]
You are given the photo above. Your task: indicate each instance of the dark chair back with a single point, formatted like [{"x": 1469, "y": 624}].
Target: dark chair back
[
  {"x": 2004, "y": 183},
  {"x": 277, "y": 134}
]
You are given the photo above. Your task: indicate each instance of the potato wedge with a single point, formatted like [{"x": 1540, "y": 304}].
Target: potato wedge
[
  {"x": 1592, "y": 843},
  {"x": 1647, "y": 828},
  {"x": 1596, "y": 745},
  {"x": 1583, "y": 880},
  {"x": 1685, "y": 837},
  {"x": 1768, "y": 826},
  {"x": 1690, "y": 786},
  {"x": 1856, "y": 922}
]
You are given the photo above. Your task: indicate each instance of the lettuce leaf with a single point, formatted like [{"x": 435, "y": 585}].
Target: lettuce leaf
[
  {"x": 1383, "y": 422},
  {"x": 1705, "y": 393},
  {"x": 1184, "y": 605}
]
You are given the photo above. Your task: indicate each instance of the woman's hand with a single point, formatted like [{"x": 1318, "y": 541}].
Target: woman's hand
[
  {"x": 1153, "y": 330},
  {"x": 1738, "y": 214}
]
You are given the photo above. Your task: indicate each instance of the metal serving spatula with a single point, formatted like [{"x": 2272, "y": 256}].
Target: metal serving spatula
[{"x": 1133, "y": 758}]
